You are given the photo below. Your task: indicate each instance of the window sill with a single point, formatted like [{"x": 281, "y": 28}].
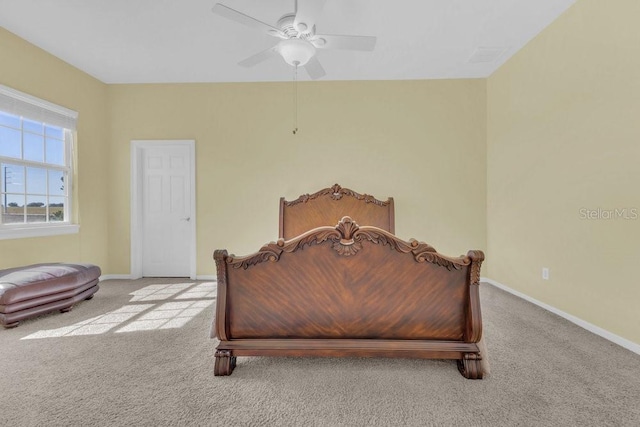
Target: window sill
[{"x": 38, "y": 231}]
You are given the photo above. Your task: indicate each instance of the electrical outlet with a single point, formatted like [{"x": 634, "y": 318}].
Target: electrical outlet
[{"x": 545, "y": 273}]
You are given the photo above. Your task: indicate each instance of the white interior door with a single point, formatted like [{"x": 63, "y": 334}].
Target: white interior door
[{"x": 166, "y": 220}]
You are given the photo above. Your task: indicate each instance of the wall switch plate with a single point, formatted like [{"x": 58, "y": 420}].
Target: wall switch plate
[{"x": 545, "y": 273}]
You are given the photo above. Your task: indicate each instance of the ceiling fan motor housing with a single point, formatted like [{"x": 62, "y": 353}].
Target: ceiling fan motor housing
[{"x": 287, "y": 26}]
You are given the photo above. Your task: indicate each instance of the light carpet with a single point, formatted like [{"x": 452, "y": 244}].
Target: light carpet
[{"x": 139, "y": 354}]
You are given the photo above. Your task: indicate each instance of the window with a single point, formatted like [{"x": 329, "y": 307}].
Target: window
[{"x": 35, "y": 166}]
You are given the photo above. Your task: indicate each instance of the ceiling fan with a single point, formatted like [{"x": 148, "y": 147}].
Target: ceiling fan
[{"x": 299, "y": 39}]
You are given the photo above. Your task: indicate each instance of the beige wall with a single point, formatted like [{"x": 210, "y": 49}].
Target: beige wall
[
  {"x": 559, "y": 120},
  {"x": 31, "y": 70},
  {"x": 422, "y": 142},
  {"x": 564, "y": 135}
]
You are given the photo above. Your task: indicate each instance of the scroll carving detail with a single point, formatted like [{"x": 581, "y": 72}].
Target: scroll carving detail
[
  {"x": 269, "y": 252},
  {"x": 477, "y": 257},
  {"x": 336, "y": 192},
  {"x": 346, "y": 239},
  {"x": 219, "y": 256}
]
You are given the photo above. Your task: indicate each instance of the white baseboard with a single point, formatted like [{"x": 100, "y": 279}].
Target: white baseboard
[
  {"x": 115, "y": 277},
  {"x": 211, "y": 278},
  {"x": 616, "y": 339}
]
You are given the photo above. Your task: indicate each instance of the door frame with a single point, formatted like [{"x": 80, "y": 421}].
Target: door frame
[{"x": 136, "y": 235}]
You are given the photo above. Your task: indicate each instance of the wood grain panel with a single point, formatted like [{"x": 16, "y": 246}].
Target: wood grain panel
[
  {"x": 328, "y": 206},
  {"x": 318, "y": 293}
]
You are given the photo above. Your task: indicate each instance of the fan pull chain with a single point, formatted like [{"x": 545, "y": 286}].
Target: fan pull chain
[{"x": 295, "y": 99}]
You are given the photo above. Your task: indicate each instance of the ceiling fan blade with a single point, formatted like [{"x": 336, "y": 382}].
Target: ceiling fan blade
[
  {"x": 307, "y": 12},
  {"x": 314, "y": 68},
  {"x": 259, "y": 57},
  {"x": 328, "y": 41},
  {"x": 234, "y": 15}
]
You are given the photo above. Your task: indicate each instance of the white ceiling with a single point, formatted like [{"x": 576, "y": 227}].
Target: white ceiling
[{"x": 154, "y": 41}]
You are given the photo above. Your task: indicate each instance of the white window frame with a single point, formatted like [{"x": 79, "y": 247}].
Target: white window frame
[{"x": 29, "y": 107}]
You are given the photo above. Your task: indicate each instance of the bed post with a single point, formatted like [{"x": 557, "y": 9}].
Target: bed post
[
  {"x": 392, "y": 219},
  {"x": 225, "y": 360},
  {"x": 281, "y": 219},
  {"x": 470, "y": 364}
]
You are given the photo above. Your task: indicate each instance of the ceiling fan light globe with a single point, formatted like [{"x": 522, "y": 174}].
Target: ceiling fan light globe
[{"x": 296, "y": 52}]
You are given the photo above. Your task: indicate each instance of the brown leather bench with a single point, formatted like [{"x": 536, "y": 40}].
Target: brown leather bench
[{"x": 29, "y": 291}]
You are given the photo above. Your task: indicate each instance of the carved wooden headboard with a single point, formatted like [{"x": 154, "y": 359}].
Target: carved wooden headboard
[{"x": 326, "y": 207}]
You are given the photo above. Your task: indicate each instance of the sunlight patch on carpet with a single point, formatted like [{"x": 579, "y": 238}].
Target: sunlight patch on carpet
[
  {"x": 159, "y": 292},
  {"x": 203, "y": 290},
  {"x": 187, "y": 301},
  {"x": 167, "y": 316},
  {"x": 96, "y": 325}
]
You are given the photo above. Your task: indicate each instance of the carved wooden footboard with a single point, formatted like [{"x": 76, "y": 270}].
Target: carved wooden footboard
[{"x": 348, "y": 290}]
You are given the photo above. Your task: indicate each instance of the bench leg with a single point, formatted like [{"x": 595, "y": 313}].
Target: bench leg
[
  {"x": 11, "y": 325},
  {"x": 89, "y": 297},
  {"x": 469, "y": 366},
  {"x": 225, "y": 362},
  {"x": 66, "y": 309}
]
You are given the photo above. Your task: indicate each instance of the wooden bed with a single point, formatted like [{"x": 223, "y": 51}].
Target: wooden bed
[{"x": 347, "y": 289}]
